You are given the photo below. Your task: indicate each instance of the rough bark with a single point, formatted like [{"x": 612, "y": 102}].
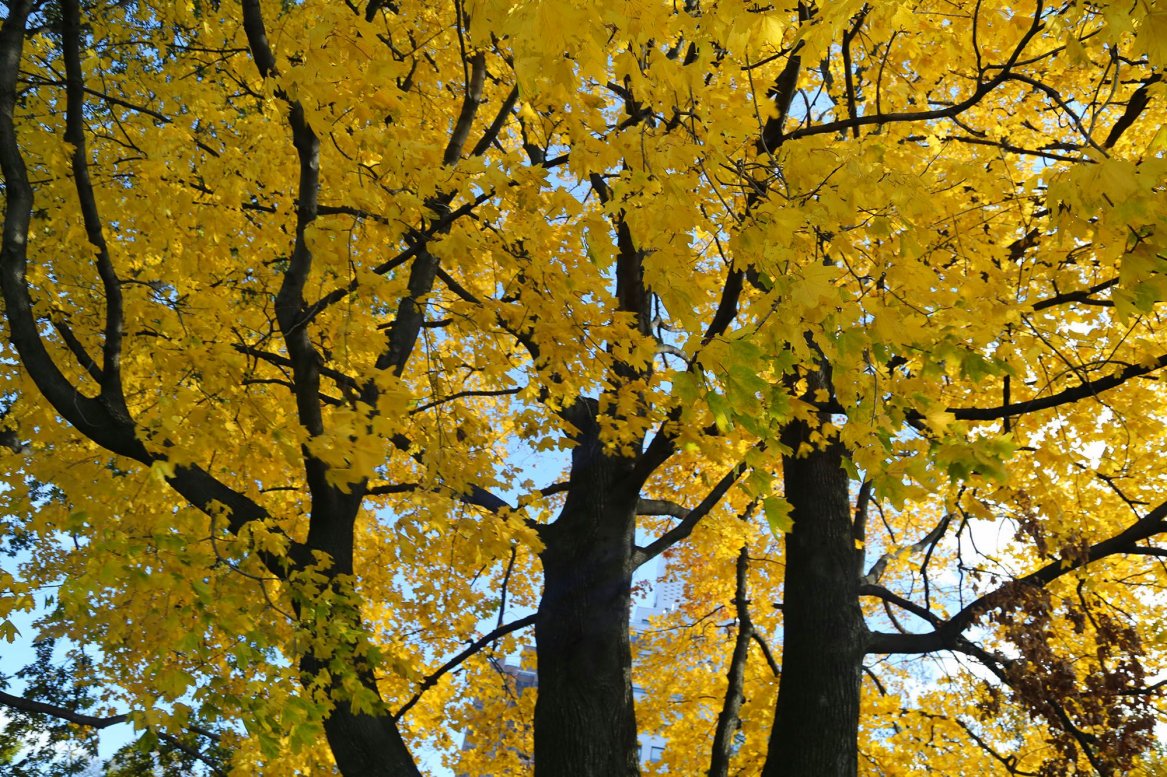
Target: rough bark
[
  {"x": 365, "y": 745},
  {"x": 824, "y": 636},
  {"x": 585, "y": 724}
]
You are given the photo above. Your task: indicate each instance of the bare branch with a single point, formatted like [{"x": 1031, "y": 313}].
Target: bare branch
[
  {"x": 1134, "y": 108},
  {"x": 193, "y": 752},
  {"x": 52, "y": 710},
  {"x": 283, "y": 361},
  {"x": 1009, "y": 761},
  {"x": 876, "y": 572},
  {"x": 848, "y": 75},
  {"x": 731, "y": 293},
  {"x": 766, "y": 653},
  {"x": 392, "y": 488},
  {"x": 878, "y": 591},
  {"x": 97, "y": 723},
  {"x": 468, "y": 393},
  {"x": 1141, "y": 551},
  {"x": 660, "y": 507},
  {"x": 470, "y": 103},
  {"x": 1082, "y": 295},
  {"x": 77, "y": 349},
  {"x": 253, "y": 27},
  {"x": 492, "y": 132}
]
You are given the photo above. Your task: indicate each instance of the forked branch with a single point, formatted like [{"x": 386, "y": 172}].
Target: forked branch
[
  {"x": 948, "y": 634},
  {"x": 112, "y": 393},
  {"x": 430, "y": 680},
  {"x": 690, "y": 520}
]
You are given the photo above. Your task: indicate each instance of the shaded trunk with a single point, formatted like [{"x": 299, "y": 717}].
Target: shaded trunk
[
  {"x": 816, "y": 721},
  {"x": 363, "y": 745},
  {"x": 585, "y": 723},
  {"x": 367, "y": 745}
]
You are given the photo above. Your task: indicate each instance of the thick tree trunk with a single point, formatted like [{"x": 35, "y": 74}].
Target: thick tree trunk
[
  {"x": 585, "y": 723},
  {"x": 816, "y": 722},
  {"x": 364, "y": 745},
  {"x": 367, "y": 745}
]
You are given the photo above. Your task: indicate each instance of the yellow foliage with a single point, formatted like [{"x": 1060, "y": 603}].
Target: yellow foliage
[{"x": 319, "y": 329}]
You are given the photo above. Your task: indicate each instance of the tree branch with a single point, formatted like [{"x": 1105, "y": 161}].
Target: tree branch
[
  {"x": 98, "y": 418},
  {"x": 1009, "y": 762},
  {"x": 880, "y": 119},
  {"x": 90, "y": 416},
  {"x": 1081, "y": 295},
  {"x": 432, "y": 679},
  {"x": 878, "y": 591},
  {"x": 112, "y": 393},
  {"x": 99, "y": 723},
  {"x": 77, "y": 349},
  {"x": 492, "y": 132},
  {"x": 766, "y": 653},
  {"x": 392, "y": 488},
  {"x": 63, "y": 713},
  {"x": 470, "y": 103},
  {"x": 1064, "y": 397},
  {"x": 947, "y": 634},
  {"x": 660, "y": 507},
  {"x": 192, "y": 752},
  {"x": 468, "y": 393},
  {"x": 419, "y": 239},
  {"x": 283, "y": 361},
  {"x": 289, "y": 302},
  {"x": 729, "y": 718},
  {"x": 876, "y": 572},
  {"x": 1134, "y": 107},
  {"x": 682, "y": 530}
]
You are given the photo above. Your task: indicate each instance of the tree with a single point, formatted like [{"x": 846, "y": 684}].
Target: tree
[
  {"x": 43, "y": 745},
  {"x": 341, "y": 328},
  {"x": 49, "y": 734}
]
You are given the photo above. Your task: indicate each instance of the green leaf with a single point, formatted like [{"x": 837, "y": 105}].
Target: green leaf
[
  {"x": 722, "y": 414},
  {"x": 777, "y": 511}
]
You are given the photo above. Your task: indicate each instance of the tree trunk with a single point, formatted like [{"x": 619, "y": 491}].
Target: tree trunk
[
  {"x": 585, "y": 722},
  {"x": 363, "y": 744},
  {"x": 816, "y": 721},
  {"x": 367, "y": 745}
]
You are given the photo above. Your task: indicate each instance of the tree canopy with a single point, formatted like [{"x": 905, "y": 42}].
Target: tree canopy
[{"x": 349, "y": 346}]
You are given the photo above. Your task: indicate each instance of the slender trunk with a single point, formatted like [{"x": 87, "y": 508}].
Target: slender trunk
[
  {"x": 729, "y": 719},
  {"x": 816, "y": 721},
  {"x": 585, "y": 723}
]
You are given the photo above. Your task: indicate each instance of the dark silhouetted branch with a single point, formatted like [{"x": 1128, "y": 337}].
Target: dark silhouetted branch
[{"x": 432, "y": 679}]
